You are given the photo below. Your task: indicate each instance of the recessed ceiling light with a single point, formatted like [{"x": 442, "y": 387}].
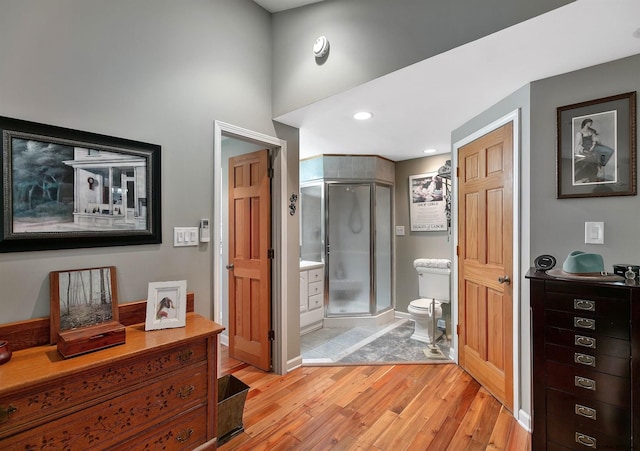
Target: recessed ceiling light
[
  {"x": 636, "y": 34},
  {"x": 362, "y": 115},
  {"x": 430, "y": 151}
]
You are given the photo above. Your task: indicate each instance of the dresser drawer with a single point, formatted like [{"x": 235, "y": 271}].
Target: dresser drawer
[
  {"x": 38, "y": 402},
  {"x": 584, "y": 341},
  {"x": 588, "y": 384},
  {"x": 184, "y": 432},
  {"x": 578, "y": 439},
  {"x": 599, "y": 306},
  {"x": 126, "y": 414},
  {"x": 316, "y": 275},
  {"x": 596, "y": 416},
  {"x": 316, "y": 288},
  {"x": 316, "y": 301},
  {"x": 581, "y": 359},
  {"x": 589, "y": 323}
]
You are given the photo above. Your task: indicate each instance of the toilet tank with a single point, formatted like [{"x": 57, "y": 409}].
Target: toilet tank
[{"x": 434, "y": 282}]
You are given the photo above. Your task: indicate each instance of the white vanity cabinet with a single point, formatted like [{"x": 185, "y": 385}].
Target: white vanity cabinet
[{"x": 311, "y": 296}]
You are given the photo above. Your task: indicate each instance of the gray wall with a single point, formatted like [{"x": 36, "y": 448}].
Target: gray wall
[
  {"x": 371, "y": 38},
  {"x": 619, "y": 214},
  {"x": 148, "y": 70},
  {"x": 414, "y": 244}
]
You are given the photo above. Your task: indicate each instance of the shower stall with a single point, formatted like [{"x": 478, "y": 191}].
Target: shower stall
[{"x": 346, "y": 222}]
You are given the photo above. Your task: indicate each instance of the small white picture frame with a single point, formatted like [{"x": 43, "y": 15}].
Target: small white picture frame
[{"x": 166, "y": 305}]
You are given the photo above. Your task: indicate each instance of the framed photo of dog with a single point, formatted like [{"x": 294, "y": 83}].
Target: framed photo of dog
[{"x": 166, "y": 305}]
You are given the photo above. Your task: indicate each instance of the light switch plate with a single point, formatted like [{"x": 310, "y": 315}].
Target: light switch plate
[
  {"x": 594, "y": 232},
  {"x": 185, "y": 236},
  {"x": 399, "y": 230}
]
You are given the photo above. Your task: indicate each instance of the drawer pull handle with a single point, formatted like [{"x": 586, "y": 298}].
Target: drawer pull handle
[
  {"x": 584, "y": 304},
  {"x": 186, "y": 391},
  {"x": 584, "y": 323},
  {"x": 584, "y": 382},
  {"x": 586, "y": 412},
  {"x": 585, "y": 440},
  {"x": 184, "y": 435},
  {"x": 185, "y": 355},
  {"x": 6, "y": 412},
  {"x": 587, "y": 342},
  {"x": 584, "y": 359}
]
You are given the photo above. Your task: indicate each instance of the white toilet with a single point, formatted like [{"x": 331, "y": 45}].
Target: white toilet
[{"x": 433, "y": 289}]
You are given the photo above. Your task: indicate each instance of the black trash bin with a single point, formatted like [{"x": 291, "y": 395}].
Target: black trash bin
[{"x": 232, "y": 394}]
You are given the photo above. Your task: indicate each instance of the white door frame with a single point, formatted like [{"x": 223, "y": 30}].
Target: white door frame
[
  {"x": 522, "y": 417},
  {"x": 278, "y": 235}
]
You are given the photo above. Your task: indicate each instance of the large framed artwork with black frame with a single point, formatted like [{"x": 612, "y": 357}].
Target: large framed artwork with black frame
[
  {"x": 597, "y": 147},
  {"x": 64, "y": 188}
]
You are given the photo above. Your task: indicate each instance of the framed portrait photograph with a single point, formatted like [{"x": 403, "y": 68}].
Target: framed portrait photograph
[
  {"x": 166, "y": 305},
  {"x": 64, "y": 188},
  {"x": 82, "y": 299},
  {"x": 596, "y": 148},
  {"x": 427, "y": 202}
]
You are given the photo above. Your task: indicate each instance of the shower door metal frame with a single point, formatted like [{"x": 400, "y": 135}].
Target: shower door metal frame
[{"x": 372, "y": 184}]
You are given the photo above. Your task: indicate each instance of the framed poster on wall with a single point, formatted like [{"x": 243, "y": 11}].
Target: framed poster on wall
[{"x": 427, "y": 202}]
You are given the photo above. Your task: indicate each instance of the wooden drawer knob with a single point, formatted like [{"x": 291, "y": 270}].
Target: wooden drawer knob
[
  {"x": 185, "y": 355},
  {"x": 184, "y": 435},
  {"x": 185, "y": 391},
  {"x": 6, "y": 412}
]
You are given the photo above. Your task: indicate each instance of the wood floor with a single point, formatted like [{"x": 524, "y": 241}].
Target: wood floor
[{"x": 379, "y": 407}]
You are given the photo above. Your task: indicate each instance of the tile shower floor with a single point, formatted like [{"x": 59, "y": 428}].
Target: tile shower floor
[{"x": 385, "y": 343}]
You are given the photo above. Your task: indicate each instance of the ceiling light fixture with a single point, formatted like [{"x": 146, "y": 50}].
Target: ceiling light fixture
[
  {"x": 362, "y": 115},
  {"x": 429, "y": 151},
  {"x": 636, "y": 34}
]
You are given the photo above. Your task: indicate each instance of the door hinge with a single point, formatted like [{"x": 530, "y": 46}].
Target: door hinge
[
  {"x": 457, "y": 329},
  {"x": 271, "y": 253},
  {"x": 458, "y": 172},
  {"x": 272, "y": 335},
  {"x": 458, "y": 251},
  {"x": 270, "y": 172}
]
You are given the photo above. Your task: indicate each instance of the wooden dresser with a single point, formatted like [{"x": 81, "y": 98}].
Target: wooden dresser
[
  {"x": 156, "y": 391},
  {"x": 586, "y": 379}
]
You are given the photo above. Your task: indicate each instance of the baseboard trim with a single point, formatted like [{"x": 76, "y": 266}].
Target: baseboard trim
[
  {"x": 294, "y": 363},
  {"x": 524, "y": 419}
]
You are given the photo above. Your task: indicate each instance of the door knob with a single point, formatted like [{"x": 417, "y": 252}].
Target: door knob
[
  {"x": 504, "y": 279},
  {"x": 230, "y": 266}
]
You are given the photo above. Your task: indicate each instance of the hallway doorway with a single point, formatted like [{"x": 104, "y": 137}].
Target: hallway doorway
[{"x": 225, "y": 133}]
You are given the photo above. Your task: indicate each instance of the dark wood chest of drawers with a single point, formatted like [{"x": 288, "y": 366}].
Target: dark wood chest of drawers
[{"x": 584, "y": 341}]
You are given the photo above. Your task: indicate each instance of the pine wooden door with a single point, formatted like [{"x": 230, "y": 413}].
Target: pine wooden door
[
  {"x": 249, "y": 260},
  {"x": 485, "y": 256}
]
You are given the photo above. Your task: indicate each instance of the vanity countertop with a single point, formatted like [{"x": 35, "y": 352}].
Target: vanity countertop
[{"x": 307, "y": 264}]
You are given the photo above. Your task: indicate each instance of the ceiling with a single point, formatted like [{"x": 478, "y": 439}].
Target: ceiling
[
  {"x": 274, "y": 6},
  {"x": 417, "y": 107}
]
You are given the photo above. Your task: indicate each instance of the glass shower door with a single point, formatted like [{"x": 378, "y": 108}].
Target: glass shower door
[
  {"x": 383, "y": 250},
  {"x": 349, "y": 249}
]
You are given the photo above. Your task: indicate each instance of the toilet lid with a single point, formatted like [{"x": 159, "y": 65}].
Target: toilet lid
[{"x": 424, "y": 304}]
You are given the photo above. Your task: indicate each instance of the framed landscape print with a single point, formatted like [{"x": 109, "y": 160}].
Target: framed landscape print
[
  {"x": 82, "y": 298},
  {"x": 596, "y": 147},
  {"x": 64, "y": 188}
]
